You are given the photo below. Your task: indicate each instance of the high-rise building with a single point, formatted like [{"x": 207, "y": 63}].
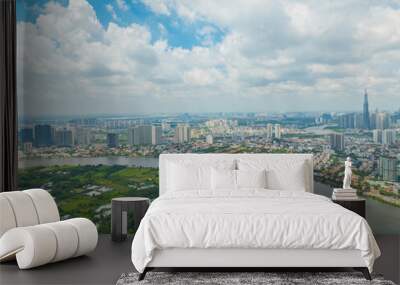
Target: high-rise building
[
  {"x": 382, "y": 120},
  {"x": 43, "y": 135},
  {"x": 336, "y": 141},
  {"x": 209, "y": 139},
  {"x": 377, "y": 136},
  {"x": 358, "y": 121},
  {"x": 156, "y": 133},
  {"x": 182, "y": 133},
  {"x": 323, "y": 118},
  {"x": 112, "y": 140},
  {"x": 278, "y": 131},
  {"x": 270, "y": 131},
  {"x": 83, "y": 136},
  {"x": 388, "y": 137},
  {"x": 64, "y": 137},
  {"x": 372, "y": 120},
  {"x": 388, "y": 169},
  {"x": 366, "y": 122},
  {"x": 144, "y": 135},
  {"x": 26, "y": 135},
  {"x": 27, "y": 147},
  {"x": 346, "y": 121}
]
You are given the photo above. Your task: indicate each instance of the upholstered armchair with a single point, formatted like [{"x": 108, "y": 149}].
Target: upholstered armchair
[{"x": 31, "y": 231}]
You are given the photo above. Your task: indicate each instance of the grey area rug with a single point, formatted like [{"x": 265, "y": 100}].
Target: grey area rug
[{"x": 227, "y": 278}]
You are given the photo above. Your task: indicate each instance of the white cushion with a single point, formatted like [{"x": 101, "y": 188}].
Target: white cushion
[
  {"x": 7, "y": 218},
  {"x": 23, "y": 208},
  {"x": 251, "y": 178},
  {"x": 40, "y": 244},
  {"x": 45, "y": 205},
  {"x": 67, "y": 240},
  {"x": 87, "y": 235},
  {"x": 223, "y": 179},
  {"x": 281, "y": 174},
  {"x": 33, "y": 246}
]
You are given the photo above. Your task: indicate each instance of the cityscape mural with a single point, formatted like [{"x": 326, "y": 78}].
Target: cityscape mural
[{"x": 104, "y": 87}]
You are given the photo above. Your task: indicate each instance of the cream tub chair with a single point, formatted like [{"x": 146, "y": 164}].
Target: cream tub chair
[{"x": 31, "y": 230}]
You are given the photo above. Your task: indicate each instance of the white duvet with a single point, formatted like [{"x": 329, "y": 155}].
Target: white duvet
[{"x": 250, "y": 219}]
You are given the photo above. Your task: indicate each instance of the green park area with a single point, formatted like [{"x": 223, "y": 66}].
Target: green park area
[{"x": 86, "y": 191}]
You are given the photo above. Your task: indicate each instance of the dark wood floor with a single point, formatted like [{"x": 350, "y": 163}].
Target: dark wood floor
[
  {"x": 110, "y": 260},
  {"x": 103, "y": 266}
]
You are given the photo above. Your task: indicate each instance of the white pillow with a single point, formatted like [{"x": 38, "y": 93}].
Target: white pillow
[
  {"x": 186, "y": 174},
  {"x": 223, "y": 179},
  {"x": 281, "y": 174},
  {"x": 184, "y": 178},
  {"x": 251, "y": 178}
]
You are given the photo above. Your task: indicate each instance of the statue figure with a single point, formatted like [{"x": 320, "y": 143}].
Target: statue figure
[{"x": 347, "y": 174}]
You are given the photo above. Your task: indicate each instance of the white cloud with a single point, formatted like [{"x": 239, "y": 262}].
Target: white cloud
[
  {"x": 111, "y": 10},
  {"x": 274, "y": 56},
  {"x": 201, "y": 77},
  {"x": 157, "y": 6},
  {"x": 122, "y": 5}
]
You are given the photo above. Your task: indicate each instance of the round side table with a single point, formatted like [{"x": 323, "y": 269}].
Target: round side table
[{"x": 119, "y": 215}]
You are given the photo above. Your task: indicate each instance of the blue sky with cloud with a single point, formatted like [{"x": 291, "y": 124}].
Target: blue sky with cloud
[{"x": 82, "y": 57}]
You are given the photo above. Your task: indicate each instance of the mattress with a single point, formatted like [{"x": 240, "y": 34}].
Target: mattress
[{"x": 250, "y": 219}]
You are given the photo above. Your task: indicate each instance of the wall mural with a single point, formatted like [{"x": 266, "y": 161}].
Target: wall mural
[{"x": 104, "y": 87}]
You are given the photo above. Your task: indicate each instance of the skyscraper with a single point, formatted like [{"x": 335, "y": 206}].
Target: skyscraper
[
  {"x": 388, "y": 169},
  {"x": 112, "y": 140},
  {"x": 358, "y": 121},
  {"x": 366, "y": 122},
  {"x": 346, "y": 121},
  {"x": 144, "y": 135},
  {"x": 382, "y": 120},
  {"x": 388, "y": 137},
  {"x": 43, "y": 135},
  {"x": 64, "y": 137},
  {"x": 377, "y": 136},
  {"x": 83, "y": 136},
  {"x": 182, "y": 133},
  {"x": 26, "y": 135},
  {"x": 336, "y": 141},
  {"x": 156, "y": 132},
  {"x": 278, "y": 131},
  {"x": 270, "y": 131}
]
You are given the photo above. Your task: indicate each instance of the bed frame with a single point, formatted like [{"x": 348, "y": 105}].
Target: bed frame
[{"x": 250, "y": 259}]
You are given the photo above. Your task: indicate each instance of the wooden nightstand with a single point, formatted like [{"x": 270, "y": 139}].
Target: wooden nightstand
[
  {"x": 357, "y": 206},
  {"x": 119, "y": 215}
]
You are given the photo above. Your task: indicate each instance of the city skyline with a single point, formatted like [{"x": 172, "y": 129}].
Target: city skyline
[
  {"x": 364, "y": 112},
  {"x": 152, "y": 57}
]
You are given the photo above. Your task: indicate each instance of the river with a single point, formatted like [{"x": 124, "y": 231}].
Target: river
[
  {"x": 105, "y": 160},
  {"x": 383, "y": 218}
]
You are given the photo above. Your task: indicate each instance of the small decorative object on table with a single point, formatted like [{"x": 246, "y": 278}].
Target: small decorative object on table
[
  {"x": 119, "y": 215},
  {"x": 347, "y": 196},
  {"x": 347, "y": 174},
  {"x": 345, "y": 193}
]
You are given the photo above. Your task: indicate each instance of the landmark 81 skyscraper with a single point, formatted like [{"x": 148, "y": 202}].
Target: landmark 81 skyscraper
[{"x": 366, "y": 123}]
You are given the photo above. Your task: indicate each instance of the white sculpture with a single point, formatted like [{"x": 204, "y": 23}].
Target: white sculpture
[{"x": 347, "y": 174}]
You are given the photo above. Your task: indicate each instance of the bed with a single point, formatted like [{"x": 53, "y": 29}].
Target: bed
[{"x": 246, "y": 211}]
